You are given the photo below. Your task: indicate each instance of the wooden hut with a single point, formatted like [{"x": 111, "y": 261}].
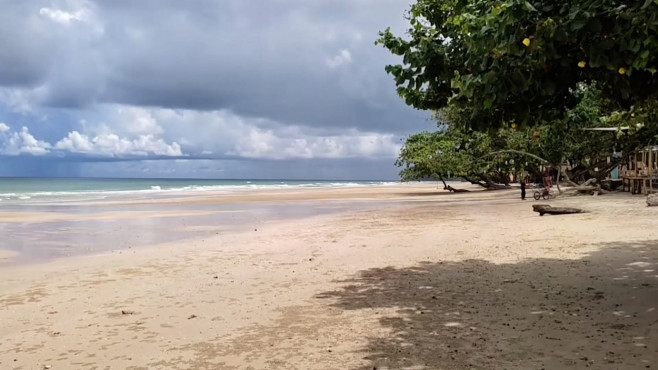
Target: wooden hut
[{"x": 640, "y": 174}]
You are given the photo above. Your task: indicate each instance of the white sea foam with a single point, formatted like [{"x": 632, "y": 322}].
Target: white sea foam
[{"x": 90, "y": 194}]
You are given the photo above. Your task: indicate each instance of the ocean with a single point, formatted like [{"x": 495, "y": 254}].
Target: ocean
[
  {"x": 58, "y": 190},
  {"x": 102, "y": 215}
]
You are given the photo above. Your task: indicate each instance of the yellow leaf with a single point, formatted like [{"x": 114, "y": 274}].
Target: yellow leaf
[{"x": 526, "y": 42}]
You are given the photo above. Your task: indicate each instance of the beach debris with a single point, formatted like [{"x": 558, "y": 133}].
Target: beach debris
[
  {"x": 652, "y": 200},
  {"x": 589, "y": 187},
  {"x": 47, "y": 366},
  {"x": 598, "y": 295},
  {"x": 192, "y": 317},
  {"x": 215, "y": 277},
  {"x": 127, "y": 312},
  {"x": 543, "y": 209}
]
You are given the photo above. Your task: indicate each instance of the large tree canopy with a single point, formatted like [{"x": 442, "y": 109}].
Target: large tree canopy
[
  {"x": 489, "y": 158},
  {"x": 522, "y": 62}
]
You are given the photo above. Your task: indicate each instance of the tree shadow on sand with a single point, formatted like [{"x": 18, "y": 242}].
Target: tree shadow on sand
[{"x": 597, "y": 312}]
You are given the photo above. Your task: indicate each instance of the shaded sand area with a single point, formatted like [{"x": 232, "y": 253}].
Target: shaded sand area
[{"x": 392, "y": 278}]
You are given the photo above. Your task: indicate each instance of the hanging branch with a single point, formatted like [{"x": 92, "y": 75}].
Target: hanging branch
[{"x": 517, "y": 152}]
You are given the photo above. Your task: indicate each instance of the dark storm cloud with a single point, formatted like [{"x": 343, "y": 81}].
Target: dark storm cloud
[
  {"x": 301, "y": 169},
  {"x": 24, "y": 40},
  {"x": 293, "y": 61},
  {"x": 263, "y": 59}
]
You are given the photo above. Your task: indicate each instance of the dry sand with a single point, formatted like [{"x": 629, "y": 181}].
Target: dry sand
[{"x": 421, "y": 280}]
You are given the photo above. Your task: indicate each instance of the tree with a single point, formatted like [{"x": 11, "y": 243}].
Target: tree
[
  {"x": 454, "y": 151},
  {"x": 522, "y": 62},
  {"x": 431, "y": 155},
  {"x": 488, "y": 158}
]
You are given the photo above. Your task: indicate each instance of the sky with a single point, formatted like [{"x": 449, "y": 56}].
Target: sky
[{"x": 259, "y": 89}]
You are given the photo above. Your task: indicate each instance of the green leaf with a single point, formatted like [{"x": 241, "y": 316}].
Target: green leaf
[
  {"x": 595, "y": 25},
  {"x": 579, "y": 23},
  {"x": 530, "y": 7},
  {"x": 488, "y": 102},
  {"x": 607, "y": 44},
  {"x": 485, "y": 36},
  {"x": 518, "y": 79}
]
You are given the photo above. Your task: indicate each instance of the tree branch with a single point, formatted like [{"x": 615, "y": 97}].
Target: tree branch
[{"x": 517, "y": 152}]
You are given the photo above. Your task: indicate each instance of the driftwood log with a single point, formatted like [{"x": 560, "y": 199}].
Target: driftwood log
[
  {"x": 589, "y": 187},
  {"x": 583, "y": 190},
  {"x": 543, "y": 209},
  {"x": 652, "y": 200}
]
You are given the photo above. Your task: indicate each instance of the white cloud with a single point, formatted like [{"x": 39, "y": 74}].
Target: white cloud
[
  {"x": 294, "y": 144},
  {"x": 102, "y": 145},
  {"x": 75, "y": 142},
  {"x": 112, "y": 145},
  {"x": 17, "y": 100},
  {"x": 83, "y": 13},
  {"x": 139, "y": 121},
  {"x": 223, "y": 133},
  {"x": 117, "y": 131},
  {"x": 16, "y": 143},
  {"x": 342, "y": 58}
]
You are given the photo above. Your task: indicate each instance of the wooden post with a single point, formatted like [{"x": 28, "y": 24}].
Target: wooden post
[
  {"x": 651, "y": 159},
  {"x": 635, "y": 166}
]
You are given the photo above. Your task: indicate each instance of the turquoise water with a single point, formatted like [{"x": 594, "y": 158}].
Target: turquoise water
[{"x": 30, "y": 190}]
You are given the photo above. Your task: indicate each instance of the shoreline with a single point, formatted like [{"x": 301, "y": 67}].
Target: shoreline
[
  {"x": 65, "y": 230},
  {"x": 387, "y": 286},
  {"x": 64, "y": 191}
]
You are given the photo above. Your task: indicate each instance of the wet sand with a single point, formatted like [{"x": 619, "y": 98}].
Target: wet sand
[{"x": 389, "y": 278}]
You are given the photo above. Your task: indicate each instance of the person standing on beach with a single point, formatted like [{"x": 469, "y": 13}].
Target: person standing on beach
[
  {"x": 548, "y": 181},
  {"x": 522, "y": 189}
]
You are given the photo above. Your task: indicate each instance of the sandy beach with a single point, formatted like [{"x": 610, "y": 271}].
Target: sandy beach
[{"x": 396, "y": 277}]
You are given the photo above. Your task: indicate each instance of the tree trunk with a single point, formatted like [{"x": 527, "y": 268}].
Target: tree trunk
[
  {"x": 493, "y": 186},
  {"x": 475, "y": 182},
  {"x": 445, "y": 186},
  {"x": 589, "y": 187},
  {"x": 451, "y": 189},
  {"x": 557, "y": 181},
  {"x": 589, "y": 182},
  {"x": 568, "y": 179},
  {"x": 604, "y": 169}
]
